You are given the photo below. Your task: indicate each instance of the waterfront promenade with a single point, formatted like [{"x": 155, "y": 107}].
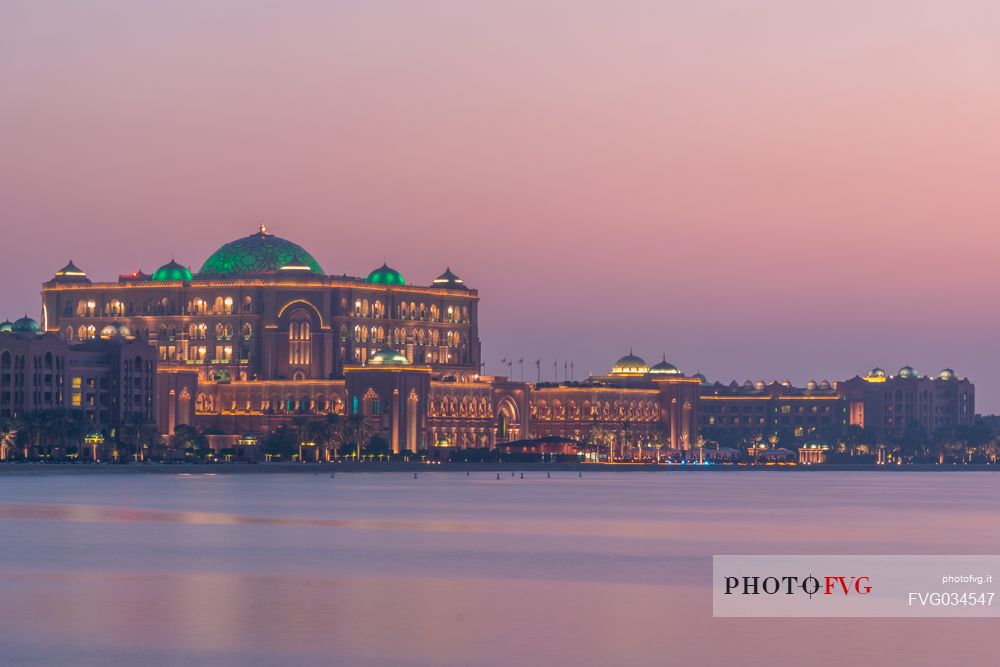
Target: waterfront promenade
[{"x": 430, "y": 467}]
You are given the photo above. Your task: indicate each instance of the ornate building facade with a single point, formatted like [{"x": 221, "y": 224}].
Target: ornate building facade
[
  {"x": 107, "y": 379},
  {"x": 261, "y": 334}
]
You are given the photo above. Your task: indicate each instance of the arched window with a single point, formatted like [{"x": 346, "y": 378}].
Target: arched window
[
  {"x": 372, "y": 404},
  {"x": 300, "y": 343}
]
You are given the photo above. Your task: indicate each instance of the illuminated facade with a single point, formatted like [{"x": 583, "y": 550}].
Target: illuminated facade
[
  {"x": 890, "y": 405},
  {"x": 261, "y": 334},
  {"x": 106, "y": 379}
]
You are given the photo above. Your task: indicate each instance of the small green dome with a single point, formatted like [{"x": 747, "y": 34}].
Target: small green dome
[
  {"x": 385, "y": 275},
  {"x": 876, "y": 373},
  {"x": 630, "y": 364},
  {"x": 701, "y": 378},
  {"x": 25, "y": 325},
  {"x": 388, "y": 357},
  {"x": 665, "y": 368},
  {"x": 948, "y": 374},
  {"x": 6, "y": 326},
  {"x": 115, "y": 330},
  {"x": 172, "y": 271},
  {"x": 258, "y": 254},
  {"x": 907, "y": 372}
]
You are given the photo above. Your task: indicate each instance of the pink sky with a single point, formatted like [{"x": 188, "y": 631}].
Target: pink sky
[{"x": 759, "y": 190}]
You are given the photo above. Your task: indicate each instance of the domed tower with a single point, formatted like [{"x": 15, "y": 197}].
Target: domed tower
[
  {"x": 876, "y": 375},
  {"x": 947, "y": 375},
  {"x": 665, "y": 368},
  {"x": 449, "y": 280},
  {"x": 70, "y": 273},
  {"x": 26, "y": 325},
  {"x": 172, "y": 272},
  {"x": 907, "y": 373},
  {"x": 385, "y": 275},
  {"x": 259, "y": 254},
  {"x": 630, "y": 365}
]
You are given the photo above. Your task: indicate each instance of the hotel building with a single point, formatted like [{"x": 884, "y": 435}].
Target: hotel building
[{"x": 261, "y": 333}]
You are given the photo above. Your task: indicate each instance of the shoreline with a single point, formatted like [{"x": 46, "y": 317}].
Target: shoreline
[{"x": 29, "y": 469}]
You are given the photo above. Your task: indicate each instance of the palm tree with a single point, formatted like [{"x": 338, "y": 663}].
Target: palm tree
[
  {"x": 135, "y": 431},
  {"x": 189, "y": 440},
  {"x": 32, "y": 432},
  {"x": 8, "y": 434},
  {"x": 325, "y": 431},
  {"x": 72, "y": 428},
  {"x": 301, "y": 426},
  {"x": 358, "y": 432},
  {"x": 758, "y": 440}
]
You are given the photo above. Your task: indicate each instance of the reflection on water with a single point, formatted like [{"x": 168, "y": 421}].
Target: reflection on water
[{"x": 610, "y": 569}]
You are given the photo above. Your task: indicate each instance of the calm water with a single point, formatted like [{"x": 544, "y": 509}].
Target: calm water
[{"x": 610, "y": 569}]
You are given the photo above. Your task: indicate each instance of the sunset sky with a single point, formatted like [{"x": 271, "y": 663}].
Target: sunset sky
[{"x": 780, "y": 189}]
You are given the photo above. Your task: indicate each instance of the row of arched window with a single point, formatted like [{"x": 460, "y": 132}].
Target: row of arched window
[
  {"x": 620, "y": 410},
  {"x": 450, "y": 405},
  {"x": 220, "y": 305},
  {"x": 300, "y": 343},
  {"x": 412, "y": 310},
  {"x": 276, "y": 403},
  {"x": 399, "y": 336}
]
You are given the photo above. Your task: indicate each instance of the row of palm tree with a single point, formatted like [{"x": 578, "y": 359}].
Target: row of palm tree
[
  {"x": 333, "y": 431},
  {"x": 41, "y": 433},
  {"x": 54, "y": 433}
]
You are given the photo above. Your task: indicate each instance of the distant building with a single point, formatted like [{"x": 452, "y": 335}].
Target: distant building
[
  {"x": 107, "y": 379},
  {"x": 890, "y": 404},
  {"x": 754, "y": 408}
]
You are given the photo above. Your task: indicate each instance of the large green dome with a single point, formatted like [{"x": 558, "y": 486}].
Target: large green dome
[
  {"x": 385, "y": 275},
  {"x": 257, "y": 254},
  {"x": 170, "y": 272}
]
